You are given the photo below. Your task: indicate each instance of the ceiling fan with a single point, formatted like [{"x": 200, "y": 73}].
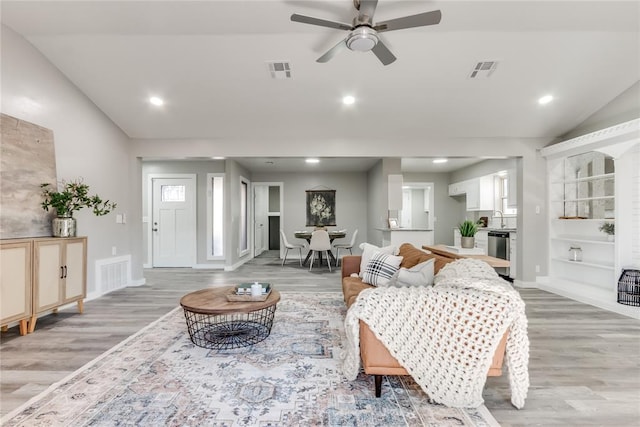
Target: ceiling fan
[{"x": 363, "y": 33}]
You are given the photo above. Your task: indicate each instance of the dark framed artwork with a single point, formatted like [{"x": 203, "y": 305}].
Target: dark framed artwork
[{"x": 321, "y": 208}]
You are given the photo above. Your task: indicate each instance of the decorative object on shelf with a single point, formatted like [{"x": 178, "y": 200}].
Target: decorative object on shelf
[
  {"x": 629, "y": 288},
  {"x": 468, "y": 230},
  {"x": 321, "y": 208},
  {"x": 393, "y": 222},
  {"x": 609, "y": 228},
  {"x": 71, "y": 197},
  {"x": 575, "y": 253}
]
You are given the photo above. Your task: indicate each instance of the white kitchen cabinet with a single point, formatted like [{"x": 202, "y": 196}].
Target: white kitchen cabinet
[
  {"x": 513, "y": 240},
  {"x": 482, "y": 240},
  {"x": 15, "y": 282},
  {"x": 59, "y": 274},
  {"x": 457, "y": 188},
  {"x": 480, "y": 194}
]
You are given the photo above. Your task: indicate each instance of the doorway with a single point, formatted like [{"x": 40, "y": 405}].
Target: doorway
[
  {"x": 267, "y": 215},
  {"x": 173, "y": 223}
]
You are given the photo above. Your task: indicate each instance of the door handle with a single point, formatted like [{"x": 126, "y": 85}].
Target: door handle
[{"x": 62, "y": 272}]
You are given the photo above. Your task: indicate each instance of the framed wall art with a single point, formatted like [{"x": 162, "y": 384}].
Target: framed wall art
[{"x": 321, "y": 208}]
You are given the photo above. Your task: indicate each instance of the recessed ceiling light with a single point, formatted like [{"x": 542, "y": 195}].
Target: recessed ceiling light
[
  {"x": 156, "y": 101},
  {"x": 545, "y": 99},
  {"x": 312, "y": 160},
  {"x": 348, "y": 100},
  {"x": 440, "y": 160},
  {"x": 217, "y": 158}
]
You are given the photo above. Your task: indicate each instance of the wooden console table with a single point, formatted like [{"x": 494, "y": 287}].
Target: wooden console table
[{"x": 443, "y": 250}]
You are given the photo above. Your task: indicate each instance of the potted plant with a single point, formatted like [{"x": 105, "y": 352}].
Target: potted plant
[
  {"x": 609, "y": 228},
  {"x": 468, "y": 230},
  {"x": 71, "y": 197}
]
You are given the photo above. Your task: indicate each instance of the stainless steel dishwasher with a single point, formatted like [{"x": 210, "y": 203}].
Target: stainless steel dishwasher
[{"x": 499, "y": 248}]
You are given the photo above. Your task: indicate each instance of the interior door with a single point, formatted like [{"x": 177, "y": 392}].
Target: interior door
[
  {"x": 174, "y": 222},
  {"x": 260, "y": 218}
]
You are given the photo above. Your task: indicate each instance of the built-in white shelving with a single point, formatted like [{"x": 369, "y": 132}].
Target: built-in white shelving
[{"x": 584, "y": 190}]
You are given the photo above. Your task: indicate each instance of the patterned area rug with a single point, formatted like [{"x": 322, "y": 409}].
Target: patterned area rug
[{"x": 159, "y": 378}]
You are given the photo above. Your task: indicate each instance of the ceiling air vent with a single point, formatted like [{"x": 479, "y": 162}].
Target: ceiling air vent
[
  {"x": 483, "y": 69},
  {"x": 279, "y": 69}
]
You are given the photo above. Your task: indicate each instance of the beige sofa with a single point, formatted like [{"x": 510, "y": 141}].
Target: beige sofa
[{"x": 376, "y": 359}]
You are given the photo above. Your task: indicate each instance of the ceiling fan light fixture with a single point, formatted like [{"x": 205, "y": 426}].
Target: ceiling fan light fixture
[{"x": 362, "y": 39}]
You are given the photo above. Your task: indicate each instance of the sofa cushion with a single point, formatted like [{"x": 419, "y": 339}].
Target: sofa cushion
[
  {"x": 368, "y": 250},
  {"x": 412, "y": 256},
  {"x": 419, "y": 275},
  {"x": 381, "y": 268},
  {"x": 351, "y": 287}
]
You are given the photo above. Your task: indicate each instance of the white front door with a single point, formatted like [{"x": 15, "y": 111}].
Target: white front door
[
  {"x": 261, "y": 218},
  {"x": 174, "y": 222}
]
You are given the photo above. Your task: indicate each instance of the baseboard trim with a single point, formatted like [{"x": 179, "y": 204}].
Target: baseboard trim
[{"x": 208, "y": 267}]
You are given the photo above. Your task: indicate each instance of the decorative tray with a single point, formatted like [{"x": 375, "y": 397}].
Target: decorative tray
[{"x": 242, "y": 292}]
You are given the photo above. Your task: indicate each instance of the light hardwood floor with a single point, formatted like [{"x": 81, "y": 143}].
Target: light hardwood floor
[{"x": 584, "y": 362}]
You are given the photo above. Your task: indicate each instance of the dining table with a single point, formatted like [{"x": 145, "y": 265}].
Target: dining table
[{"x": 306, "y": 235}]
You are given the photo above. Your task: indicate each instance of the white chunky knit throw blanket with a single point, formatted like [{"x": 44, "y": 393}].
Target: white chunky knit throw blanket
[{"x": 445, "y": 336}]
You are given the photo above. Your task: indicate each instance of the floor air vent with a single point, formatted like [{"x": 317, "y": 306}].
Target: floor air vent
[
  {"x": 483, "y": 69},
  {"x": 113, "y": 273}
]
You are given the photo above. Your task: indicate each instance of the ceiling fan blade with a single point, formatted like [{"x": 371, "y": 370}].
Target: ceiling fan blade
[
  {"x": 366, "y": 10},
  {"x": 320, "y": 22},
  {"x": 333, "y": 51},
  {"x": 384, "y": 55},
  {"x": 419, "y": 20}
]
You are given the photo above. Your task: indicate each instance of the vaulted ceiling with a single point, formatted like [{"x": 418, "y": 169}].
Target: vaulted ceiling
[{"x": 208, "y": 61}]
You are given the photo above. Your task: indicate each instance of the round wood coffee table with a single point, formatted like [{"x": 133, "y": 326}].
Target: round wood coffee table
[{"x": 216, "y": 323}]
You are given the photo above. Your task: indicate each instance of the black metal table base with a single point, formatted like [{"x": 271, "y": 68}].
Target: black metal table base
[{"x": 227, "y": 331}]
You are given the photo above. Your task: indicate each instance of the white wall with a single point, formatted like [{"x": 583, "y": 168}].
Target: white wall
[
  {"x": 448, "y": 210},
  {"x": 351, "y": 200},
  {"x": 622, "y": 108},
  {"x": 87, "y": 145},
  {"x": 200, "y": 169}
]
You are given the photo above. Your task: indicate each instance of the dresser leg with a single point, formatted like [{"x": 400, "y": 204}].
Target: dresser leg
[
  {"x": 378, "y": 381},
  {"x": 80, "y": 306},
  {"x": 32, "y": 323},
  {"x": 23, "y": 327}
]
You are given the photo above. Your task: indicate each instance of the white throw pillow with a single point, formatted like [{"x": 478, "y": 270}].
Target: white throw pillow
[
  {"x": 380, "y": 269},
  {"x": 368, "y": 250},
  {"x": 418, "y": 275}
]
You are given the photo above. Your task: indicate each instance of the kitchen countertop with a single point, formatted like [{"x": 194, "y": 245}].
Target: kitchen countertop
[
  {"x": 446, "y": 251},
  {"x": 405, "y": 229}
]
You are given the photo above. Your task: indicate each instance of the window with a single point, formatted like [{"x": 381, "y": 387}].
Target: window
[
  {"x": 172, "y": 193},
  {"x": 244, "y": 216},
  {"x": 502, "y": 195},
  {"x": 215, "y": 213}
]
